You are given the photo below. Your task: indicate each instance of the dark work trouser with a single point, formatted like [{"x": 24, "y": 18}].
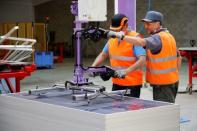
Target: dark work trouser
[
  {"x": 134, "y": 90},
  {"x": 166, "y": 93}
]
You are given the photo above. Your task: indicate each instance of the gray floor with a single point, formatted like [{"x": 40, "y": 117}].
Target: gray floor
[{"x": 64, "y": 71}]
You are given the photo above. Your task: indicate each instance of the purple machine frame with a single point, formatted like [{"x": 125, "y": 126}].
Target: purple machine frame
[{"x": 78, "y": 77}]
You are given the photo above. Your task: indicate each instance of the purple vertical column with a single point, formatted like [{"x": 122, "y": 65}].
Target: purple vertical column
[
  {"x": 128, "y": 7},
  {"x": 78, "y": 44}
]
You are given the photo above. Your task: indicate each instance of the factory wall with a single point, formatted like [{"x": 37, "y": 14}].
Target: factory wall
[
  {"x": 179, "y": 17},
  {"x": 60, "y": 18},
  {"x": 12, "y": 11},
  {"x": 61, "y": 22}
]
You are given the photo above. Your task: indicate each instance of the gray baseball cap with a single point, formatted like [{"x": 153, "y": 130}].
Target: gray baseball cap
[{"x": 152, "y": 16}]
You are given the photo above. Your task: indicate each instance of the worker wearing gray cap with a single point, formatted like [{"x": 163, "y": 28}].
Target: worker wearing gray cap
[{"x": 163, "y": 59}]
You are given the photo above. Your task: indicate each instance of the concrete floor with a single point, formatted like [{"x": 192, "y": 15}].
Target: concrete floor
[{"x": 64, "y": 71}]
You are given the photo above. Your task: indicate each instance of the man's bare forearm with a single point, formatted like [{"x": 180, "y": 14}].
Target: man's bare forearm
[
  {"x": 99, "y": 59},
  {"x": 135, "y": 40},
  {"x": 139, "y": 63}
]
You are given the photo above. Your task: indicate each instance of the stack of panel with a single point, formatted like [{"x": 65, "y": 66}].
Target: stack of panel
[{"x": 54, "y": 110}]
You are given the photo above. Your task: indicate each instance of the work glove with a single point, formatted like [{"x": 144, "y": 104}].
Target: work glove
[
  {"x": 105, "y": 76},
  {"x": 119, "y": 35},
  {"x": 103, "y": 33},
  {"x": 120, "y": 74}
]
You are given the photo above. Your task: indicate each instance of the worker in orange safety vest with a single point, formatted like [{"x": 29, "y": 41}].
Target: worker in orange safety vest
[
  {"x": 163, "y": 58},
  {"x": 125, "y": 58}
]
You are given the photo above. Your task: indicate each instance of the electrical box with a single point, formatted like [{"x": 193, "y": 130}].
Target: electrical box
[{"x": 92, "y": 10}]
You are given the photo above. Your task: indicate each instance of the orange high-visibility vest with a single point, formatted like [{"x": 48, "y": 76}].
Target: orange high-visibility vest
[
  {"x": 162, "y": 67},
  {"x": 121, "y": 57}
]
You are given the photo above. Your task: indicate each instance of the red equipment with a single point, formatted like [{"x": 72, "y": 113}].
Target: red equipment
[
  {"x": 191, "y": 54},
  {"x": 18, "y": 72},
  {"x": 12, "y": 64}
]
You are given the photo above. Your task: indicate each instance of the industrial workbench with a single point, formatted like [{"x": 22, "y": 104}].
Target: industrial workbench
[{"x": 191, "y": 54}]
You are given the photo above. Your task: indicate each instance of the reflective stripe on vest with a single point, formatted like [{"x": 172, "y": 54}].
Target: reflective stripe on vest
[
  {"x": 152, "y": 71},
  {"x": 165, "y": 59},
  {"x": 122, "y": 68},
  {"x": 123, "y": 58}
]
